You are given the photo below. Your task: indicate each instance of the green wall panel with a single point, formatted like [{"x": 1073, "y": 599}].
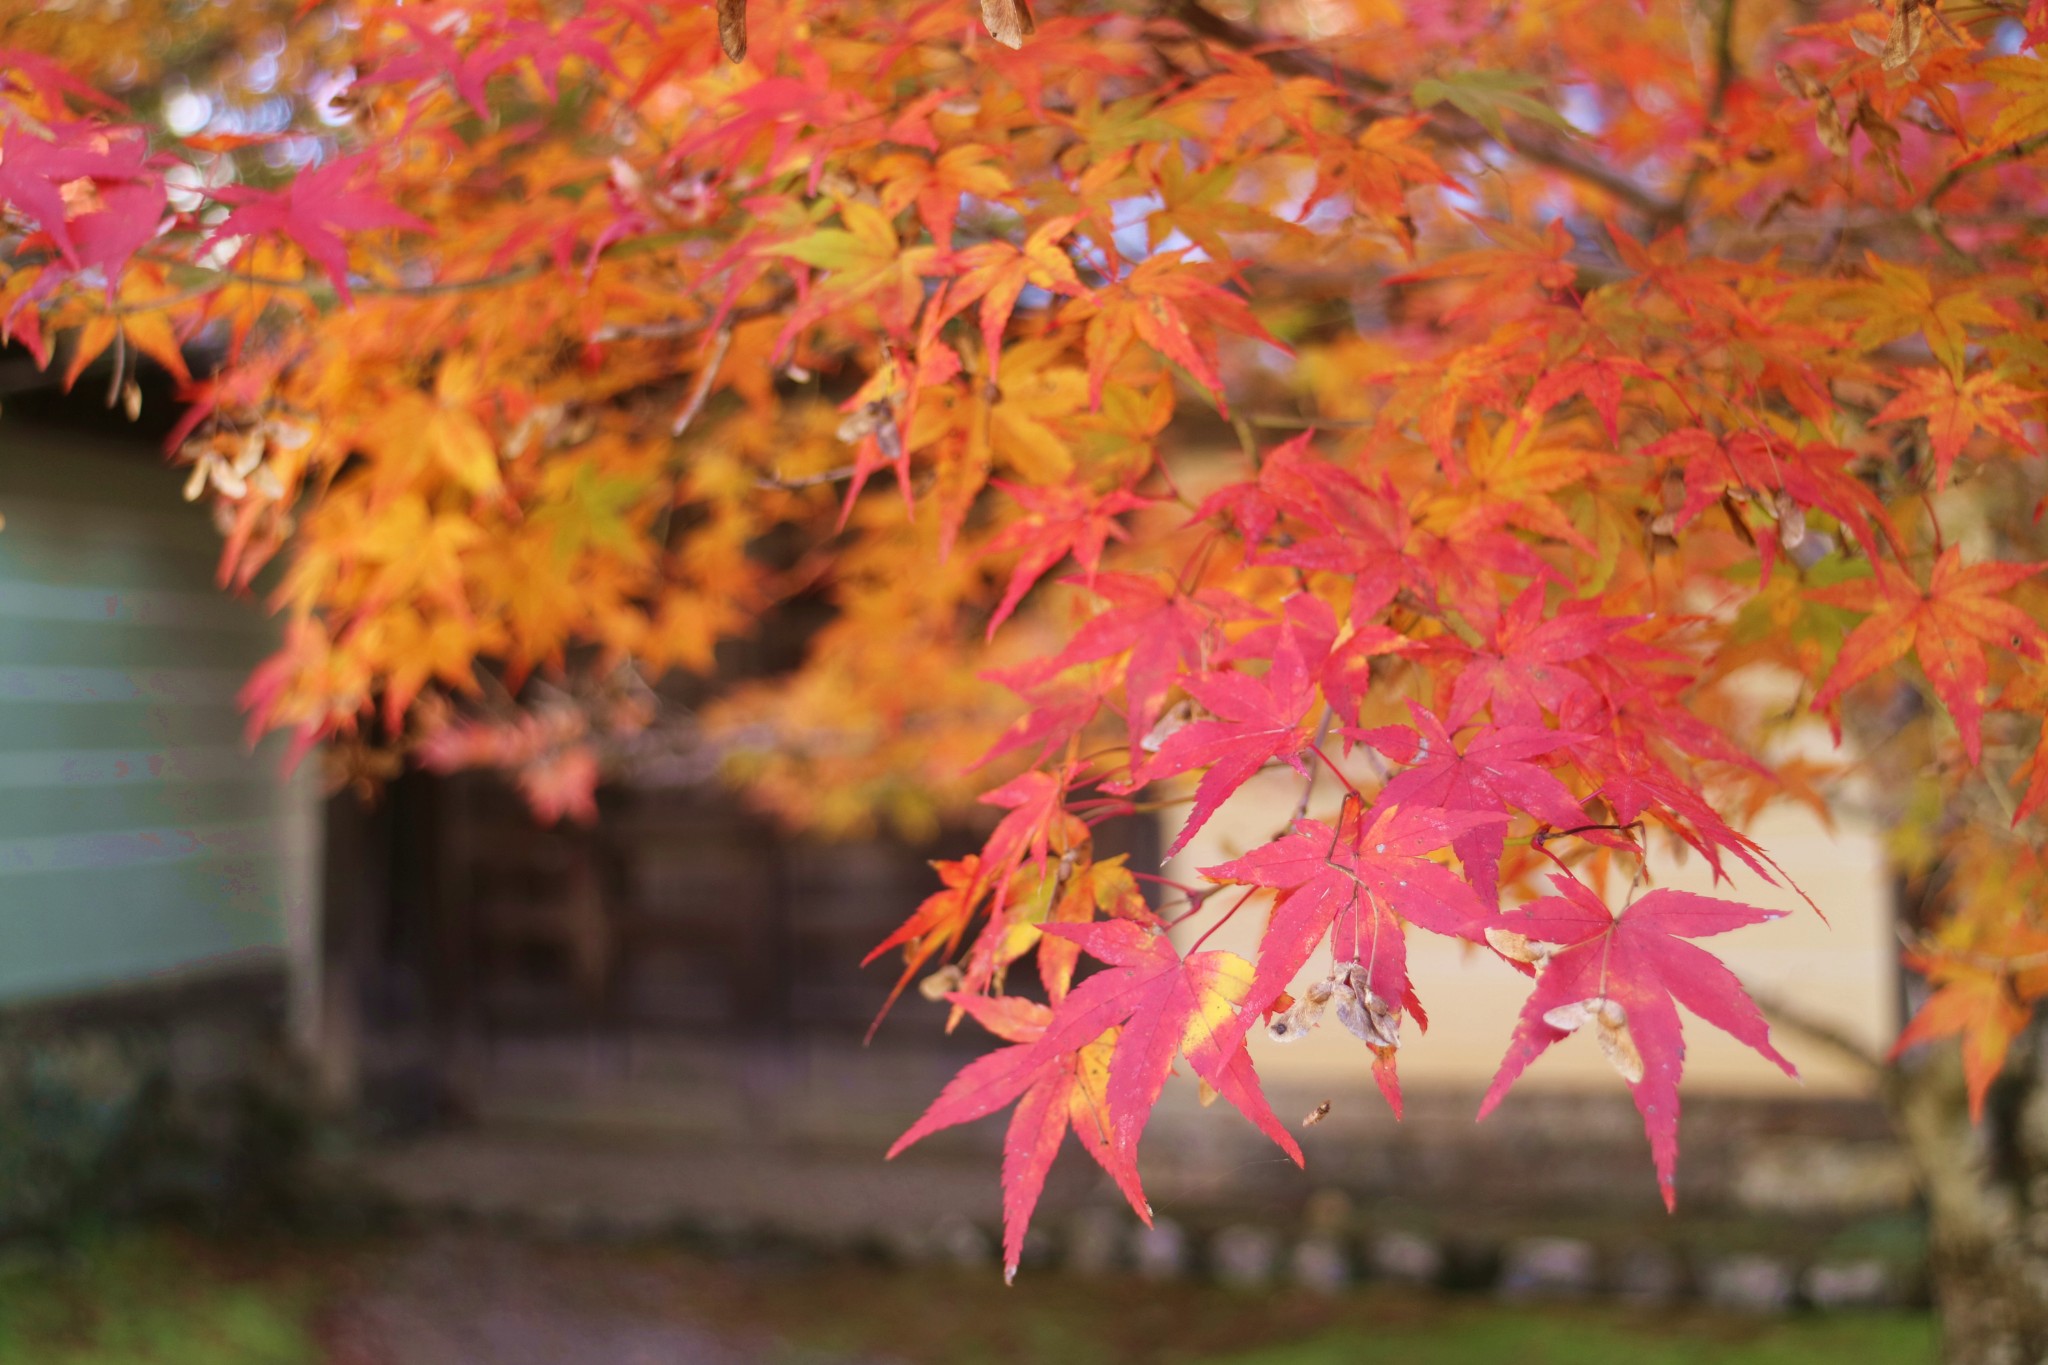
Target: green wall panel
[{"x": 138, "y": 834}]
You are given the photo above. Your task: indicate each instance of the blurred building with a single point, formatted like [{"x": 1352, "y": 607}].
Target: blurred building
[
  {"x": 143, "y": 846},
  {"x": 683, "y": 974}
]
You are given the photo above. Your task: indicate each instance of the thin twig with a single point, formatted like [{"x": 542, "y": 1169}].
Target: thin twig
[
  {"x": 1717, "y": 103},
  {"x": 843, "y": 472},
  {"x": 2017, "y": 151},
  {"x": 702, "y": 389},
  {"x": 1308, "y": 788},
  {"x": 1224, "y": 919}
]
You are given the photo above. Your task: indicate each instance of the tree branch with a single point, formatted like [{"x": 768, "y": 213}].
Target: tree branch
[
  {"x": 1956, "y": 174},
  {"x": 1717, "y": 102},
  {"x": 1797, "y": 1022},
  {"x": 701, "y": 390},
  {"x": 1449, "y": 127}
]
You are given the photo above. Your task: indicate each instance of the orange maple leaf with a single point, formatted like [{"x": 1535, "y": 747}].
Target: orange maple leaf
[
  {"x": 1170, "y": 308},
  {"x": 1946, "y": 625},
  {"x": 996, "y": 273},
  {"x": 1957, "y": 409},
  {"x": 1976, "y": 1003}
]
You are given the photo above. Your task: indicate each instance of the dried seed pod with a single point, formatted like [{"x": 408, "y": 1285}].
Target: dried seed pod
[
  {"x": 936, "y": 985},
  {"x": 1791, "y": 523},
  {"x": 1828, "y": 124},
  {"x": 1287, "y": 1027},
  {"x": 1909, "y": 26},
  {"x": 1007, "y": 21},
  {"x": 1295, "y": 1024},
  {"x": 1369, "y": 1018},
  {"x": 1517, "y": 947},
  {"x": 1170, "y": 720},
  {"x": 1796, "y": 82},
  {"x": 732, "y": 28},
  {"x": 1610, "y": 1021}
]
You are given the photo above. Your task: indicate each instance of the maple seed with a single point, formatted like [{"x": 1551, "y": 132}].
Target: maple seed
[
  {"x": 732, "y": 28},
  {"x": 1295, "y": 1024},
  {"x": 1519, "y": 947},
  {"x": 1007, "y": 21},
  {"x": 1610, "y": 1022},
  {"x": 1791, "y": 524},
  {"x": 1369, "y": 1018},
  {"x": 946, "y": 979},
  {"x": 1176, "y": 717}
]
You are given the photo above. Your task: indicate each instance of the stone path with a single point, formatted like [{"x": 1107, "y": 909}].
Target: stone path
[{"x": 623, "y": 1186}]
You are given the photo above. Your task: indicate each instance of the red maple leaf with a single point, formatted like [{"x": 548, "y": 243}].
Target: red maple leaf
[
  {"x": 1057, "y": 521},
  {"x": 1947, "y": 625},
  {"x": 1256, "y": 720},
  {"x": 1169, "y": 1006},
  {"x": 128, "y": 215},
  {"x": 1521, "y": 672},
  {"x": 1813, "y": 476},
  {"x": 1038, "y": 817},
  {"x": 1339, "y": 524},
  {"x": 1152, "y": 1004},
  {"x": 17, "y": 63},
  {"x": 1058, "y": 712},
  {"x": 1625, "y": 975},
  {"x": 1490, "y": 772},
  {"x": 1163, "y": 631},
  {"x": 36, "y": 172},
  {"x": 1343, "y": 672},
  {"x": 1635, "y": 783},
  {"x": 1599, "y": 379},
  {"x": 1054, "y": 1091},
  {"x": 313, "y": 211},
  {"x": 935, "y": 927},
  {"x": 1359, "y": 882}
]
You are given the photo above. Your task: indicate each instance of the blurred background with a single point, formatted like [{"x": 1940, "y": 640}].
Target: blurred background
[{"x": 287, "y": 1077}]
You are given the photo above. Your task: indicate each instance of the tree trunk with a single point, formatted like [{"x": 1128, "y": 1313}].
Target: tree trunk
[{"x": 1986, "y": 1187}]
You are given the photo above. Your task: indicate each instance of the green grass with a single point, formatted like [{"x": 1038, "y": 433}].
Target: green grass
[
  {"x": 1481, "y": 1337},
  {"x": 943, "y": 1316},
  {"x": 140, "y": 1299}
]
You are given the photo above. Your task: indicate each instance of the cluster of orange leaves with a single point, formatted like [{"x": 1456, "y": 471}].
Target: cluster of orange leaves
[{"x": 1634, "y": 363}]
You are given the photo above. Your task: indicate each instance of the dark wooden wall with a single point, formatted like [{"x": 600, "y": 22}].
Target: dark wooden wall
[{"x": 453, "y": 918}]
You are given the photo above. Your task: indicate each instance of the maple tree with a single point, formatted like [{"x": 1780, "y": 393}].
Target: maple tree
[{"x": 1511, "y": 419}]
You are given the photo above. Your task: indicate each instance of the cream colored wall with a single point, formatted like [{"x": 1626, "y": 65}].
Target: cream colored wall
[{"x": 1840, "y": 970}]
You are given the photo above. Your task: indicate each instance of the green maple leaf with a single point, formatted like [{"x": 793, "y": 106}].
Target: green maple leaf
[{"x": 1487, "y": 96}]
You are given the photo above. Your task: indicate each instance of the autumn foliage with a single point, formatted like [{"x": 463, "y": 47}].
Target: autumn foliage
[{"x": 1514, "y": 420}]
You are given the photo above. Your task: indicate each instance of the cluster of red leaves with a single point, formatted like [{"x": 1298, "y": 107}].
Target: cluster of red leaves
[
  {"x": 547, "y": 342},
  {"x": 1557, "y": 718}
]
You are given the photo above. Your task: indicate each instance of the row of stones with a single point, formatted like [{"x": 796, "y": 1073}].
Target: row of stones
[{"x": 1098, "y": 1241}]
